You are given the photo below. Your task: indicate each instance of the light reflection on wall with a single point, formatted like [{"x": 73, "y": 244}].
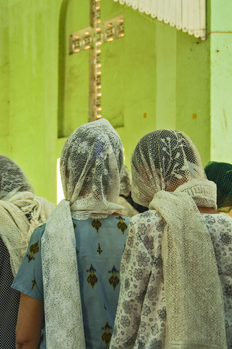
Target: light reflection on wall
[{"x": 60, "y": 193}]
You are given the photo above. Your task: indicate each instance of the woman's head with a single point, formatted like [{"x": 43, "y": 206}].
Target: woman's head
[
  {"x": 163, "y": 160},
  {"x": 12, "y": 178},
  {"x": 91, "y": 164},
  {"x": 221, "y": 174}
]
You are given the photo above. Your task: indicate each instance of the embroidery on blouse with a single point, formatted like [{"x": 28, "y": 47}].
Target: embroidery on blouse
[
  {"x": 121, "y": 225},
  {"x": 96, "y": 224},
  {"x": 106, "y": 337},
  {"x": 92, "y": 279},
  {"x": 113, "y": 280},
  {"x": 34, "y": 248},
  {"x": 33, "y": 284},
  {"x": 99, "y": 250}
]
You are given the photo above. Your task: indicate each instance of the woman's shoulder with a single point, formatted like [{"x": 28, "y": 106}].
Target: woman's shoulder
[
  {"x": 109, "y": 224},
  {"x": 219, "y": 227},
  {"x": 221, "y": 219},
  {"x": 149, "y": 223}
]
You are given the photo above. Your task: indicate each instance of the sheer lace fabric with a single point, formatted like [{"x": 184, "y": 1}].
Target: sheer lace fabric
[
  {"x": 91, "y": 166},
  {"x": 167, "y": 176},
  {"x": 125, "y": 184},
  {"x": 125, "y": 191},
  {"x": 164, "y": 160},
  {"x": 12, "y": 178},
  {"x": 17, "y": 201},
  {"x": 195, "y": 309}
]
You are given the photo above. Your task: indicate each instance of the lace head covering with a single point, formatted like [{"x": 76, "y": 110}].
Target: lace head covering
[
  {"x": 91, "y": 165},
  {"x": 12, "y": 178},
  {"x": 164, "y": 160},
  {"x": 221, "y": 174},
  {"x": 21, "y": 212},
  {"x": 125, "y": 184},
  {"x": 167, "y": 176}
]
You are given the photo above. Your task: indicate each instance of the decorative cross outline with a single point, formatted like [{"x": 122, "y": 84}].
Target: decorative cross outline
[{"x": 92, "y": 38}]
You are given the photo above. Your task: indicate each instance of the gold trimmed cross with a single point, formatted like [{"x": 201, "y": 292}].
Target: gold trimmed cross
[{"x": 92, "y": 38}]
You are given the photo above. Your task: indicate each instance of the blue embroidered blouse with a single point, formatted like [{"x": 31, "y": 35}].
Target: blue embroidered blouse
[{"x": 99, "y": 246}]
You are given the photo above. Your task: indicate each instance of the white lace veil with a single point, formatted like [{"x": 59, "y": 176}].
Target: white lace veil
[
  {"x": 167, "y": 175},
  {"x": 21, "y": 212},
  {"x": 91, "y": 166},
  {"x": 125, "y": 184},
  {"x": 12, "y": 179}
]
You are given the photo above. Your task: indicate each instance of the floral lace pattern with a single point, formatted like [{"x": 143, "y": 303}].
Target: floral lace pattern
[{"x": 141, "y": 314}]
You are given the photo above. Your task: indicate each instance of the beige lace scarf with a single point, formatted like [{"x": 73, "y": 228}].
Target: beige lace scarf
[
  {"x": 17, "y": 202},
  {"x": 168, "y": 163},
  {"x": 91, "y": 166}
]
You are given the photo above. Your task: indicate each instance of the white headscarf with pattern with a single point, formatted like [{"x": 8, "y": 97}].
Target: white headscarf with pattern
[
  {"x": 21, "y": 212},
  {"x": 167, "y": 176},
  {"x": 91, "y": 167}
]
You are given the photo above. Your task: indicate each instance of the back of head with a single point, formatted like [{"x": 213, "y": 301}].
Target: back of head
[
  {"x": 12, "y": 178},
  {"x": 91, "y": 165},
  {"x": 163, "y": 160},
  {"x": 221, "y": 174}
]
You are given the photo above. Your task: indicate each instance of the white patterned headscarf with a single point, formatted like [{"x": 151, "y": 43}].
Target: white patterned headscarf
[
  {"x": 125, "y": 184},
  {"x": 167, "y": 176},
  {"x": 12, "y": 179},
  {"x": 91, "y": 166},
  {"x": 21, "y": 212}
]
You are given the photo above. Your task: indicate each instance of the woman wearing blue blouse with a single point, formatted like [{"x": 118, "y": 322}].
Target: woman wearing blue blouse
[{"x": 69, "y": 279}]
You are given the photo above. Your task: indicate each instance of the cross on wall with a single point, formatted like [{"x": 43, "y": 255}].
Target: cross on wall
[{"x": 91, "y": 38}]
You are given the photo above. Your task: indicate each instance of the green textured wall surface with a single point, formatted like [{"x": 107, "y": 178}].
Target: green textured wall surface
[
  {"x": 221, "y": 81},
  {"x": 32, "y": 83},
  {"x": 192, "y": 91},
  {"x": 137, "y": 71},
  {"x": 155, "y": 77},
  {"x": 113, "y": 60},
  {"x": 74, "y": 69},
  {"x": 4, "y": 76}
]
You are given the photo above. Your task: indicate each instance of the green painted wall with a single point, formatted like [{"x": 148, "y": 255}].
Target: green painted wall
[
  {"x": 74, "y": 69},
  {"x": 134, "y": 77},
  {"x": 164, "y": 75},
  {"x": 221, "y": 81},
  {"x": 29, "y": 122},
  {"x": 192, "y": 91},
  {"x": 4, "y": 76}
]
